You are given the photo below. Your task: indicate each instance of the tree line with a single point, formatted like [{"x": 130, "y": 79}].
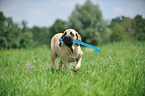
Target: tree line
[{"x": 86, "y": 19}]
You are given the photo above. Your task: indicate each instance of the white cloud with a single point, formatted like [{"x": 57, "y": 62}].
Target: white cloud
[
  {"x": 118, "y": 10},
  {"x": 37, "y": 14},
  {"x": 129, "y": 12},
  {"x": 124, "y": 11},
  {"x": 9, "y": 9},
  {"x": 73, "y": 2},
  {"x": 64, "y": 2}
]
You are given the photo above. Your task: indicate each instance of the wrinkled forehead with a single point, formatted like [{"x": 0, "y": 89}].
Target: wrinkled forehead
[{"x": 70, "y": 30}]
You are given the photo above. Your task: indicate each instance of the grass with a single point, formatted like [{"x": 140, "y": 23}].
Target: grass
[{"x": 118, "y": 69}]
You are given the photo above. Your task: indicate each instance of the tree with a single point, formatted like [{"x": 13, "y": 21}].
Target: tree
[
  {"x": 40, "y": 35},
  {"x": 11, "y": 35},
  {"x": 122, "y": 29},
  {"x": 87, "y": 20},
  {"x": 58, "y": 27},
  {"x": 9, "y": 32},
  {"x": 2, "y": 28},
  {"x": 118, "y": 33},
  {"x": 125, "y": 28},
  {"x": 128, "y": 24},
  {"x": 140, "y": 27},
  {"x": 26, "y": 36}
]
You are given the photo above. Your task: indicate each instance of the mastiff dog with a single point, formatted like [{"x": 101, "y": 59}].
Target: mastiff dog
[{"x": 67, "y": 50}]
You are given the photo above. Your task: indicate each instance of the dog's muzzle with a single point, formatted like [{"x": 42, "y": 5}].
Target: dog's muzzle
[{"x": 67, "y": 40}]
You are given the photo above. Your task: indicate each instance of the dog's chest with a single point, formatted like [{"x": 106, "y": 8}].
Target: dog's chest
[
  {"x": 71, "y": 58},
  {"x": 70, "y": 55}
]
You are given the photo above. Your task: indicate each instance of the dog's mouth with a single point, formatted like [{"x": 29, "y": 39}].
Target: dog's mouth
[{"x": 67, "y": 40}]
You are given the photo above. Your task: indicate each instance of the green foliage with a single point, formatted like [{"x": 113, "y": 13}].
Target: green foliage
[
  {"x": 124, "y": 28},
  {"x": 12, "y": 36},
  {"x": 26, "y": 36},
  {"x": 118, "y": 69},
  {"x": 58, "y": 27},
  {"x": 139, "y": 27},
  {"x": 10, "y": 33},
  {"x": 118, "y": 33},
  {"x": 87, "y": 20},
  {"x": 40, "y": 35}
]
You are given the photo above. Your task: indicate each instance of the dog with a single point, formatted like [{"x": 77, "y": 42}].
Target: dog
[{"x": 67, "y": 50}]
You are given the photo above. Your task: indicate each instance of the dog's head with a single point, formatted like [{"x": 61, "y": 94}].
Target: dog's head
[{"x": 69, "y": 35}]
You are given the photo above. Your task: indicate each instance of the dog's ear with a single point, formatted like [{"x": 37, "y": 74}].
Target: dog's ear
[
  {"x": 62, "y": 37},
  {"x": 59, "y": 44},
  {"x": 78, "y": 37},
  {"x": 63, "y": 34}
]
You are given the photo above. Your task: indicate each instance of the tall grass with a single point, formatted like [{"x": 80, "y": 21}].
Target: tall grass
[{"x": 118, "y": 69}]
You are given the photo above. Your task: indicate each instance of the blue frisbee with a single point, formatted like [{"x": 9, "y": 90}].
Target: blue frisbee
[{"x": 82, "y": 43}]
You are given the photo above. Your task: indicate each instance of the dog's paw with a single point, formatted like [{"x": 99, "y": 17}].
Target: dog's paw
[{"x": 76, "y": 69}]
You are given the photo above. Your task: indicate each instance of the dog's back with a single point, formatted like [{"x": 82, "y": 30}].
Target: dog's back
[{"x": 55, "y": 41}]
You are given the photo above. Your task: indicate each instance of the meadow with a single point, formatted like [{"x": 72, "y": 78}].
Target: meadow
[{"x": 118, "y": 69}]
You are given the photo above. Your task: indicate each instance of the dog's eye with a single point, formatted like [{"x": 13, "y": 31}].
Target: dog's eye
[
  {"x": 71, "y": 34},
  {"x": 64, "y": 33}
]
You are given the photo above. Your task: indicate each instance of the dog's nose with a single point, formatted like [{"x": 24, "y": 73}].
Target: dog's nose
[{"x": 66, "y": 37}]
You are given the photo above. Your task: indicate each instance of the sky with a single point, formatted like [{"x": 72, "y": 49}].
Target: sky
[{"x": 45, "y": 12}]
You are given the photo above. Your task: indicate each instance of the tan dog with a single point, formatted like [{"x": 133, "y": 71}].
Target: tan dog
[{"x": 67, "y": 50}]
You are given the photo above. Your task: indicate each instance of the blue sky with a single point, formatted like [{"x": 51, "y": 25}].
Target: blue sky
[{"x": 45, "y": 12}]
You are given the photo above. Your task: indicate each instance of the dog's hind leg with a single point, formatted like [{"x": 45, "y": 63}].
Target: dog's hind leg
[
  {"x": 66, "y": 64},
  {"x": 53, "y": 57},
  {"x": 61, "y": 65}
]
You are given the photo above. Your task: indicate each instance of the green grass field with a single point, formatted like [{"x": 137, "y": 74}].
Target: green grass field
[{"x": 118, "y": 69}]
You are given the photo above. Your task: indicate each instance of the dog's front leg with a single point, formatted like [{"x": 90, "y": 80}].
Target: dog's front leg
[{"x": 77, "y": 67}]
